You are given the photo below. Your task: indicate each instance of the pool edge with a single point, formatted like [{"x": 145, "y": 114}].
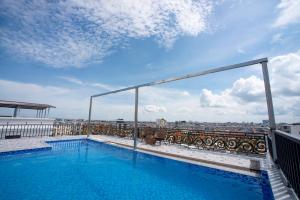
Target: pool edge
[{"x": 23, "y": 151}]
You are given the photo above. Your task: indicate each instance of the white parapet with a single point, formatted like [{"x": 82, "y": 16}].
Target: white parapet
[
  {"x": 24, "y": 121},
  {"x": 25, "y": 127}
]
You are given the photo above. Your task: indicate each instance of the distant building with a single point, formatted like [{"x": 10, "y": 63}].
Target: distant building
[
  {"x": 161, "y": 123},
  {"x": 120, "y": 123},
  {"x": 265, "y": 123},
  {"x": 293, "y": 129}
]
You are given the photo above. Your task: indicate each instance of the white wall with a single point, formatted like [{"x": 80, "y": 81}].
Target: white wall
[{"x": 295, "y": 130}]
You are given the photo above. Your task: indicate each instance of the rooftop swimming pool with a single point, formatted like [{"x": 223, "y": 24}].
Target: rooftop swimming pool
[{"x": 85, "y": 169}]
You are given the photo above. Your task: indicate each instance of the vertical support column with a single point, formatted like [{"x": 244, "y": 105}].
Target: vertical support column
[
  {"x": 136, "y": 116},
  {"x": 16, "y": 112},
  {"x": 90, "y": 114},
  {"x": 270, "y": 107}
]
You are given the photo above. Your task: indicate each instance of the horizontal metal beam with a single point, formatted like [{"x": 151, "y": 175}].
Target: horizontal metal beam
[{"x": 210, "y": 71}]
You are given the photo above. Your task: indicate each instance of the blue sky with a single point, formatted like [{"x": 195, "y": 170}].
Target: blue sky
[{"x": 61, "y": 52}]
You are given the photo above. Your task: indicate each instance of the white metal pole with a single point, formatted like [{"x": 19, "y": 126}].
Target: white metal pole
[
  {"x": 136, "y": 115},
  {"x": 90, "y": 114},
  {"x": 270, "y": 107}
]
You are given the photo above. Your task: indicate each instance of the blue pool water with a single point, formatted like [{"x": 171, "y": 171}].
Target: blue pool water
[{"x": 83, "y": 169}]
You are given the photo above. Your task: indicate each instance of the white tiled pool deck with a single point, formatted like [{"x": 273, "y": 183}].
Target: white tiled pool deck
[{"x": 229, "y": 162}]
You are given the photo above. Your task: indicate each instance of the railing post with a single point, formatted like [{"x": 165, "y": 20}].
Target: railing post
[
  {"x": 90, "y": 114},
  {"x": 270, "y": 107},
  {"x": 16, "y": 112},
  {"x": 136, "y": 116}
]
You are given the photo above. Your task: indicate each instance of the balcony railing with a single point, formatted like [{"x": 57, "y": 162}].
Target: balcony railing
[
  {"x": 25, "y": 130},
  {"x": 288, "y": 158},
  {"x": 38, "y": 129}
]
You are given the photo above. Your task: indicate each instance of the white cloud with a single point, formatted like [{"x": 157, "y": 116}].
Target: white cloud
[
  {"x": 249, "y": 89},
  {"x": 285, "y": 74},
  {"x": 241, "y": 51},
  {"x": 101, "y": 86},
  {"x": 26, "y": 91},
  {"x": 105, "y": 86},
  {"x": 243, "y": 90},
  {"x": 184, "y": 109},
  {"x": 288, "y": 13},
  {"x": 186, "y": 93},
  {"x": 209, "y": 99},
  {"x": 276, "y": 38},
  {"x": 155, "y": 108},
  {"x": 74, "y": 33},
  {"x": 71, "y": 79},
  {"x": 149, "y": 66}
]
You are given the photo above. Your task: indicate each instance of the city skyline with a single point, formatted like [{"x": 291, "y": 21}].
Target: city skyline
[{"x": 97, "y": 52}]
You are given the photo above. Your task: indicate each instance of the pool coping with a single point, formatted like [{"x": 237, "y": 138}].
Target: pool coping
[
  {"x": 202, "y": 162},
  {"x": 21, "y": 151}
]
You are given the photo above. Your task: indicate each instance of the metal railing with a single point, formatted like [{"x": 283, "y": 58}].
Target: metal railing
[
  {"x": 288, "y": 158},
  {"x": 40, "y": 129}
]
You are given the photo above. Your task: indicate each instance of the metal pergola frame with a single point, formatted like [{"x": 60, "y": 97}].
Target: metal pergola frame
[
  {"x": 262, "y": 61},
  {"x": 42, "y": 110}
]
